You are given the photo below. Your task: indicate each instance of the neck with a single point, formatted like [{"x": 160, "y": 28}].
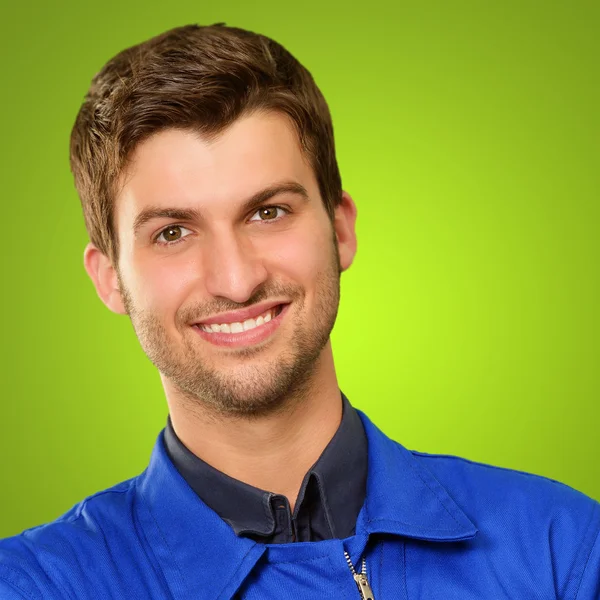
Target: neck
[{"x": 272, "y": 452}]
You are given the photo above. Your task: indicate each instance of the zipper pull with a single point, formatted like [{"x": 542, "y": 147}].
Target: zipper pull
[{"x": 364, "y": 589}]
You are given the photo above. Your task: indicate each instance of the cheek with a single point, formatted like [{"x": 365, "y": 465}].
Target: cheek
[
  {"x": 301, "y": 254},
  {"x": 162, "y": 284}
]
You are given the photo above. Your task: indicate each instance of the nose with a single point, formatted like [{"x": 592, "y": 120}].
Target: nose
[{"x": 232, "y": 267}]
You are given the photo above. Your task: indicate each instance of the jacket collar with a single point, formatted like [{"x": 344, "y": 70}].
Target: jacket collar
[
  {"x": 404, "y": 498},
  {"x": 189, "y": 539},
  {"x": 199, "y": 554}
]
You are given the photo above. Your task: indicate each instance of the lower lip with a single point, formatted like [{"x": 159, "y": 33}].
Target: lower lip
[{"x": 245, "y": 338}]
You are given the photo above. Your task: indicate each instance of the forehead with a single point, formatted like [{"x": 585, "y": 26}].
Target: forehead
[{"x": 180, "y": 168}]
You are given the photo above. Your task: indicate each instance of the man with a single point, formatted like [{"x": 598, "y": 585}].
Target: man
[{"x": 205, "y": 163}]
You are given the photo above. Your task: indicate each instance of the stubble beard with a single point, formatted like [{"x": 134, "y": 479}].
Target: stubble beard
[{"x": 254, "y": 387}]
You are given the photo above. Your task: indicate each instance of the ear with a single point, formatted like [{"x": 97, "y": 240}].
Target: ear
[
  {"x": 105, "y": 278},
  {"x": 344, "y": 225}
]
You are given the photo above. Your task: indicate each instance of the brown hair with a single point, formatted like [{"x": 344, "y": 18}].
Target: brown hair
[{"x": 192, "y": 77}]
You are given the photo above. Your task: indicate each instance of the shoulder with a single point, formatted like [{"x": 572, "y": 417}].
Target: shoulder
[
  {"x": 474, "y": 482},
  {"x": 533, "y": 519},
  {"x": 40, "y": 562}
]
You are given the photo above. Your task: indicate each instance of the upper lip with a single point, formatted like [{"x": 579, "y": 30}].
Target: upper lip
[{"x": 239, "y": 316}]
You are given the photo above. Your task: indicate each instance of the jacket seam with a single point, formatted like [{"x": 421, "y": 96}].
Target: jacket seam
[
  {"x": 89, "y": 499},
  {"x": 162, "y": 537},
  {"x": 296, "y": 562},
  {"x": 76, "y": 516},
  {"x": 147, "y": 545},
  {"x": 441, "y": 529},
  {"x": 452, "y": 457},
  {"x": 235, "y": 572}
]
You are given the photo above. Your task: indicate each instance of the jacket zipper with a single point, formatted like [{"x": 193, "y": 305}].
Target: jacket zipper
[{"x": 364, "y": 589}]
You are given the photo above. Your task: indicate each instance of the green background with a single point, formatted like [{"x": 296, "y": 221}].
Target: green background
[{"x": 467, "y": 133}]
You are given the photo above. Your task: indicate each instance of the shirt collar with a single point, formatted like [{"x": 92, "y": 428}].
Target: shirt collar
[
  {"x": 340, "y": 473},
  {"x": 244, "y": 507}
]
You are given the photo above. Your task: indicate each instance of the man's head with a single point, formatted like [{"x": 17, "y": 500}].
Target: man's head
[
  {"x": 205, "y": 163},
  {"x": 193, "y": 78}
]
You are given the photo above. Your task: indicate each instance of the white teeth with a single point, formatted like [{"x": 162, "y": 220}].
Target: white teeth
[
  {"x": 239, "y": 327},
  {"x": 249, "y": 324}
]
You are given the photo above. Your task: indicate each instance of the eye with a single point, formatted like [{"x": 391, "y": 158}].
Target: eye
[
  {"x": 268, "y": 213},
  {"x": 172, "y": 234}
]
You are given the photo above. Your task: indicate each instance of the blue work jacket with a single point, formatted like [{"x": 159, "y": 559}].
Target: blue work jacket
[{"x": 432, "y": 527}]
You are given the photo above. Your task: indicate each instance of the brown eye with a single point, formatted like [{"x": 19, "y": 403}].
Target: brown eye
[
  {"x": 171, "y": 234},
  {"x": 267, "y": 213}
]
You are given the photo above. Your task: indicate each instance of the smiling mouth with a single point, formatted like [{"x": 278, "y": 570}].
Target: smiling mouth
[{"x": 242, "y": 326}]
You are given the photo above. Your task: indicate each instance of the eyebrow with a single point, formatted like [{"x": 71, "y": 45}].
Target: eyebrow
[{"x": 191, "y": 214}]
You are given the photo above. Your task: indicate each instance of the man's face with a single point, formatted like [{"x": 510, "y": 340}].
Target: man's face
[{"x": 228, "y": 263}]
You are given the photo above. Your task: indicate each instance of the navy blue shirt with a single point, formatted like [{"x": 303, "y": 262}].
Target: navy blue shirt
[{"x": 330, "y": 498}]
